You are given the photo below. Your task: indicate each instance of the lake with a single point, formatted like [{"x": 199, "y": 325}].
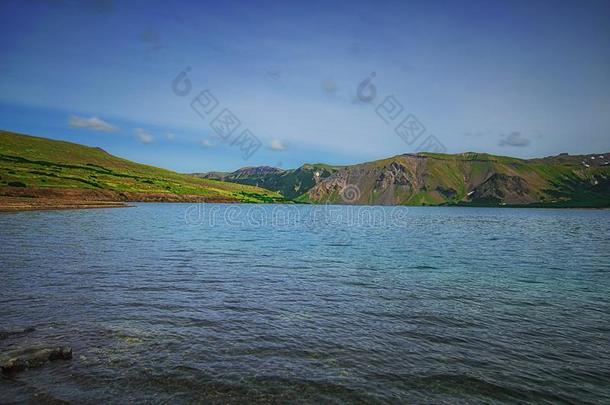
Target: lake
[{"x": 334, "y": 304}]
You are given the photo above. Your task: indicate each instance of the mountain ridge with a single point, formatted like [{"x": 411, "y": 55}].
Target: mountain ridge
[
  {"x": 468, "y": 178},
  {"x": 291, "y": 183},
  {"x": 37, "y": 167}
]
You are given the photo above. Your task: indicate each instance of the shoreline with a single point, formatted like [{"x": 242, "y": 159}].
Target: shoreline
[
  {"x": 15, "y": 199},
  {"x": 22, "y": 204},
  {"x": 17, "y": 204}
]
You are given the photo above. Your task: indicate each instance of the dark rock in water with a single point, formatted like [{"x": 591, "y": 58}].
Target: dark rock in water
[
  {"x": 36, "y": 357},
  {"x": 5, "y": 334}
]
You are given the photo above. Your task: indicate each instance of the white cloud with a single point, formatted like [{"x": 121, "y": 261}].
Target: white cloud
[
  {"x": 92, "y": 123},
  {"x": 277, "y": 145},
  {"x": 206, "y": 143},
  {"x": 144, "y": 136},
  {"x": 170, "y": 136}
]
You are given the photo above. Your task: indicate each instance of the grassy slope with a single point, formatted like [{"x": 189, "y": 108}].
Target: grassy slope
[
  {"x": 41, "y": 162},
  {"x": 555, "y": 181}
]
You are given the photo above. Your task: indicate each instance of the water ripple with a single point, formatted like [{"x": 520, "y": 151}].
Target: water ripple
[{"x": 447, "y": 305}]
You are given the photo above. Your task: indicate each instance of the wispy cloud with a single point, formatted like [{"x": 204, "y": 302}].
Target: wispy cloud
[
  {"x": 277, "y": 145},
  {"x": 92, "y": 123},
  {"x": 476, "y": 134},
  {"x": 100, "y": 6},
  {"x": 170, "y": 136},
  {"x": 273, "y": 74},
  {"x": 206, "y": 143},
  {"x": 144, "y": 136},
  {"x": 151, "y": 37},
  {"x": 329, "y": 86},
  {"x": 515, "y": 139}
]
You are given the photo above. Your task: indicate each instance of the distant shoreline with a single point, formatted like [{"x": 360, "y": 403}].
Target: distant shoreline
[
  {"x": 16, "y": 204},
  {"x": 36, "y": 198},
  {"x": 40, "y": 203}
]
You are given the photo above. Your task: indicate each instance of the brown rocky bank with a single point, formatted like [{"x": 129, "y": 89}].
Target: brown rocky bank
[{"x": 34, "y": 198}]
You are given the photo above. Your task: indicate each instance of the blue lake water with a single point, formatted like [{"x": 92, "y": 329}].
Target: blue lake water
[{"x": 241, "y": 303}]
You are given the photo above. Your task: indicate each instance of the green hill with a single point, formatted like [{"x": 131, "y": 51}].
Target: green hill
[{"x": 35, "y": 163}]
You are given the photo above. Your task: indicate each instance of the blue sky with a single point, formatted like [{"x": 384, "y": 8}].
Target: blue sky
[{"x": 517, "y": 78}]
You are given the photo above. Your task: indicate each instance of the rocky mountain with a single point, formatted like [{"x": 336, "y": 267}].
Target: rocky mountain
[
  {"x": 470, "y": 179},
  {"x": 443, "y": 179},
  {"x": 291, "y": 183}
]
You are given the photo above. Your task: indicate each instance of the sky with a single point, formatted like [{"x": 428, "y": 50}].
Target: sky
[{"x": 197, "y": 86}]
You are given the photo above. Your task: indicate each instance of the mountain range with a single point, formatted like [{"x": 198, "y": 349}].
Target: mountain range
[
  {"x": 35, "y": 168},
  {"x": 442, "y": 179}
]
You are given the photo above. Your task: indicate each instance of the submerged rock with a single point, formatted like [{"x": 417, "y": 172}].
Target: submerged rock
[
  {"x": 35, "y": 357},
  {"x": 5, "y": 334}
]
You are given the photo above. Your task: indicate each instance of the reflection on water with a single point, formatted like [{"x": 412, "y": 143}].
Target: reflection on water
[{"x": 428, "y": 305}]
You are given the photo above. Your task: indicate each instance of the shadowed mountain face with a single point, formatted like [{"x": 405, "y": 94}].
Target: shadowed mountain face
[
  {"x": 291, "y": 183},
  {"x": 440, "y": 179}
]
